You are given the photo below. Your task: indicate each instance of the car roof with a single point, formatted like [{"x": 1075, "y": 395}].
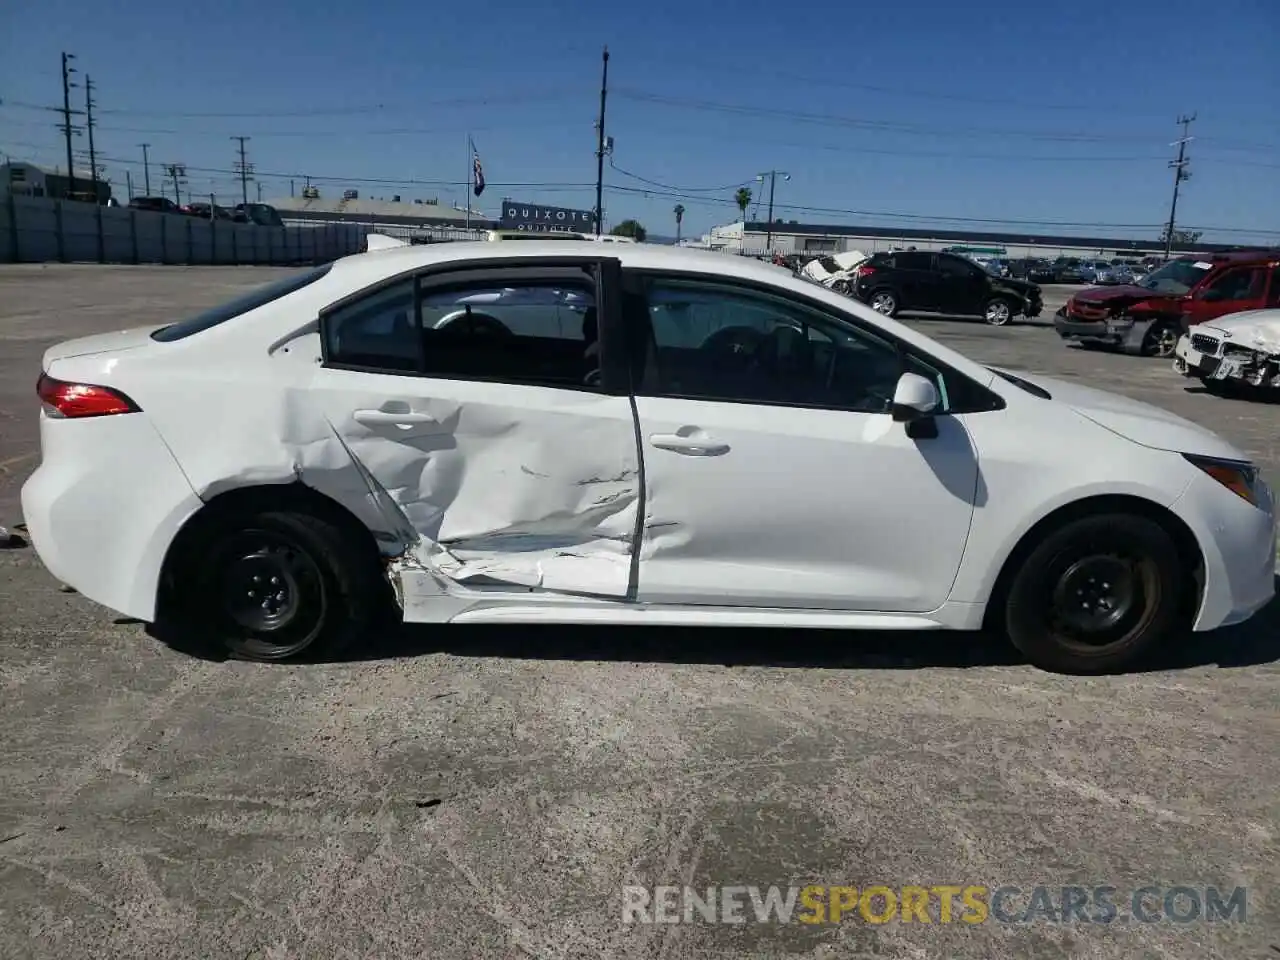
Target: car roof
[
  {"x": 1233, "y": 257},
  {"x": 369, "y": 267}
]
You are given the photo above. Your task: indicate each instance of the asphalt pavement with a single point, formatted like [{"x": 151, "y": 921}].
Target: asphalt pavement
[{"x": 476, "y": 792}]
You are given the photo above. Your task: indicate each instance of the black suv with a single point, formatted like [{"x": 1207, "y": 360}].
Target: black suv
[{"x": 942, "y": 283}]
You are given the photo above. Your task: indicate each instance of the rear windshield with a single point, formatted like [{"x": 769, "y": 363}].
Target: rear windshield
[{"x": 257, "y": 297}]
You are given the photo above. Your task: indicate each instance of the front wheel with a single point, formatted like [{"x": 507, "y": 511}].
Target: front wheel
[
  {"x": 278, "y": 585},
  {"x": 1160, "y": 340},
  {"x": 1096, "y": 595},
  {"x": 998, "y": 312}
]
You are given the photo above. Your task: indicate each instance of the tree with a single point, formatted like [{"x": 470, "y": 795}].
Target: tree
[
  {"x": 631, "y": 228},
  {"x": 743, "y": 199},
  {"x": 679, "y": 212},
  {"x": 1180, "y": 237}
]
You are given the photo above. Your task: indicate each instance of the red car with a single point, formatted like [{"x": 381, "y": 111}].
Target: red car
[{"x": 1148, "y": 317}]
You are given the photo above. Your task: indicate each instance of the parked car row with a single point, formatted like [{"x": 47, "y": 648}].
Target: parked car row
[
  {"x": 263, "y": 214},
  {"x": 1151, "y": 316}
]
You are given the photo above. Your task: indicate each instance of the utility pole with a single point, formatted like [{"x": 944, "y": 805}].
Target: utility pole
[
  {"x": 773, "y": 176},
  {"x": 67, "y": 129},
  {"x": 1180, "y": 173},
  {"x": 128, "y": 183},
  {"x": 600, "y": 144},
  {"x": 88, "y": 122},
  {"x": 259, "y": 186},
  {"x": 146, "y": 168},
  {"x": 245, "y": 169},
  {"x": 178, "y": 172}
]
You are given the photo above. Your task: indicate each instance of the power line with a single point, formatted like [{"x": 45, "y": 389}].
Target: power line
[
  {"x": 888, "y": 125},
  {"x": 931, "y": 218},
  {"x": 633, "y": 176}
]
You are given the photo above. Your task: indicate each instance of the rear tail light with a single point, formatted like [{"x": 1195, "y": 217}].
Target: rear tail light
[
  {"x": 866, "y": 271},
  {"x": 77, "y": 400}
]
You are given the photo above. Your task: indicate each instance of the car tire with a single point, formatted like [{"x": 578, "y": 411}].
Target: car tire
[
  {"x": 841, "y": 286},
  {"x": 1160, "y": 340},
  {"x": 279, "y": 585},
  {"x": 999, "y": 311},
  {"x": 1125, "y": 573},
  {"x": 883, "y": 302}
]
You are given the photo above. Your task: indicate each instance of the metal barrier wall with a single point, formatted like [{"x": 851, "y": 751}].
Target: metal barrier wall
[{"x": 44, "y": 230}]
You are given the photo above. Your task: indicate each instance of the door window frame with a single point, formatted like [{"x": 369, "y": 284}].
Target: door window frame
[
  {"x": 1231, "y": 271},
  {"x": 601, "y": 273},
  {"x": 962, "y": 393}
]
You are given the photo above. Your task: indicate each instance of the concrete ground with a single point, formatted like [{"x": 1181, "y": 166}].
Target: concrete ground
[{"x": 490, "y": 792}]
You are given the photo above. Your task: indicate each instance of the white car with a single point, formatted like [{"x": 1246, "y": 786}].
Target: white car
[
  {"x": 715, "y": 443},
  {"x": 1239, "y": 349}
]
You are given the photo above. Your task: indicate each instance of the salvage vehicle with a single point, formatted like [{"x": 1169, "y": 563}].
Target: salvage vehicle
[
  {"x": 944, "y": 283},
  {"x": 837, "y": 272},
  {"x": 1146, "y": 318},
  {"x": 1240, "y": 350},
  {"x": 421, "y": 432}
]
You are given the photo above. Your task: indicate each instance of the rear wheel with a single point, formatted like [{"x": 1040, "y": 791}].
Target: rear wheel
[
  {"x": 884, "y": 302},
  {"x": 1096, "y": 595},
  {"x": 278, "y": 585}
]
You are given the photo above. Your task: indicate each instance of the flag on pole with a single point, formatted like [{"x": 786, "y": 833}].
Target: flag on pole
[{"x": 477, "y": 176}]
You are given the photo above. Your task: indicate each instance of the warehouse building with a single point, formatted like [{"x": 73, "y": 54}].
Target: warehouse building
[{"x": 791, "y": 237}]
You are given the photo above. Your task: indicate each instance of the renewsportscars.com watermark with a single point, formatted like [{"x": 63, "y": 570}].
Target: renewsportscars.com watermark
[{"x": 940, "y": 903}]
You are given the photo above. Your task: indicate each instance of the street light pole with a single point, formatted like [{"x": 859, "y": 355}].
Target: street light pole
[{"x": 773, "y": 176}]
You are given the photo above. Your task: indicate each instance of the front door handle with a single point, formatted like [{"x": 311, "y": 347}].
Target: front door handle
[
  {"x": 382, "y": 418},
  {"x": 697, "y": 445}
]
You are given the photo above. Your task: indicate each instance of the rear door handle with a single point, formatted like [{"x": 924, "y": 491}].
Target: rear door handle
[
  {"x": 698, "y": 446},
  {"x": 382, "y": 418}
]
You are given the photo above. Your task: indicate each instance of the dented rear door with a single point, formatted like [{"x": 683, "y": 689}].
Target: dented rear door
[{"x": 475, "y": 414}]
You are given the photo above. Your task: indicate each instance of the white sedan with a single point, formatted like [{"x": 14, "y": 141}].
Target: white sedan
[{"x": 700, "y": 441}]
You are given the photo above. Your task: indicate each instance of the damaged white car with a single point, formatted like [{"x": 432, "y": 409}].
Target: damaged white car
[
  {"x": 1238, "y": 350},
  {"x": 835, "y": 272},
  {"x": 493, "y": 433}
]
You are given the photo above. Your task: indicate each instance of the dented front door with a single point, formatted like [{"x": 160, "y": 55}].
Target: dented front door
[{"x": 520, "y": 484}]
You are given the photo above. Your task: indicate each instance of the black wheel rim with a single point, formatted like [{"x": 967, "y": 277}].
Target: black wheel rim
[
  {"x": 269, "y": 593},
  {"x": 1097, "y": 600}
]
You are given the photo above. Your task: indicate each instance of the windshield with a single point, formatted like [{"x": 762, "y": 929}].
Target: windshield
[
  {"x": 829, "y": 264},
  {"x": 1177, "y": 276}
]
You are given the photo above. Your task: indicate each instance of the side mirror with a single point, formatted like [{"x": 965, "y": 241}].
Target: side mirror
[{"x": 914, "y": 398}]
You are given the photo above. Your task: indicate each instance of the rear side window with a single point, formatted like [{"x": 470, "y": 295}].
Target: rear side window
[
  {"x": 913, "y": 261},
  {"x": 257, "y": 297}
]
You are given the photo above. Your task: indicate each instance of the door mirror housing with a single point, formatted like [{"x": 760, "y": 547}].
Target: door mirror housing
[{"x": 914, "y": 398}]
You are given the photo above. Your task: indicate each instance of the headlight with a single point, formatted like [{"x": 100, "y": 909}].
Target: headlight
[{"x": 1239, "y": 477}]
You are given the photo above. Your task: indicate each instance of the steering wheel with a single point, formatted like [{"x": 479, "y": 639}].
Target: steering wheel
[
  {"x": 736, "y": 344},
  {"x": 471, "y": 323}
]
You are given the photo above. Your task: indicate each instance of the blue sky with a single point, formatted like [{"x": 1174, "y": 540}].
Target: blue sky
[{"x": 936, "y": 111}]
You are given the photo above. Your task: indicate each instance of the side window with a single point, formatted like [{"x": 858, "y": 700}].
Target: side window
[
  {"x": 537, "y": 332},
  {"x": 914, "y": 261},
  {"x": 957, "y": 267},
  {"x": 1273, "y": 298},
  {"x": 719, "y": 342},
  {"x": 375, "y": 331},
  {"x": 1243, "y": 284}
]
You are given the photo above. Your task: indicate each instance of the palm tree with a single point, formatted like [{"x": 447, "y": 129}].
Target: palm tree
[
  {"x": 679, "y": 212},
  {"x": 743, "y": 199}
]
